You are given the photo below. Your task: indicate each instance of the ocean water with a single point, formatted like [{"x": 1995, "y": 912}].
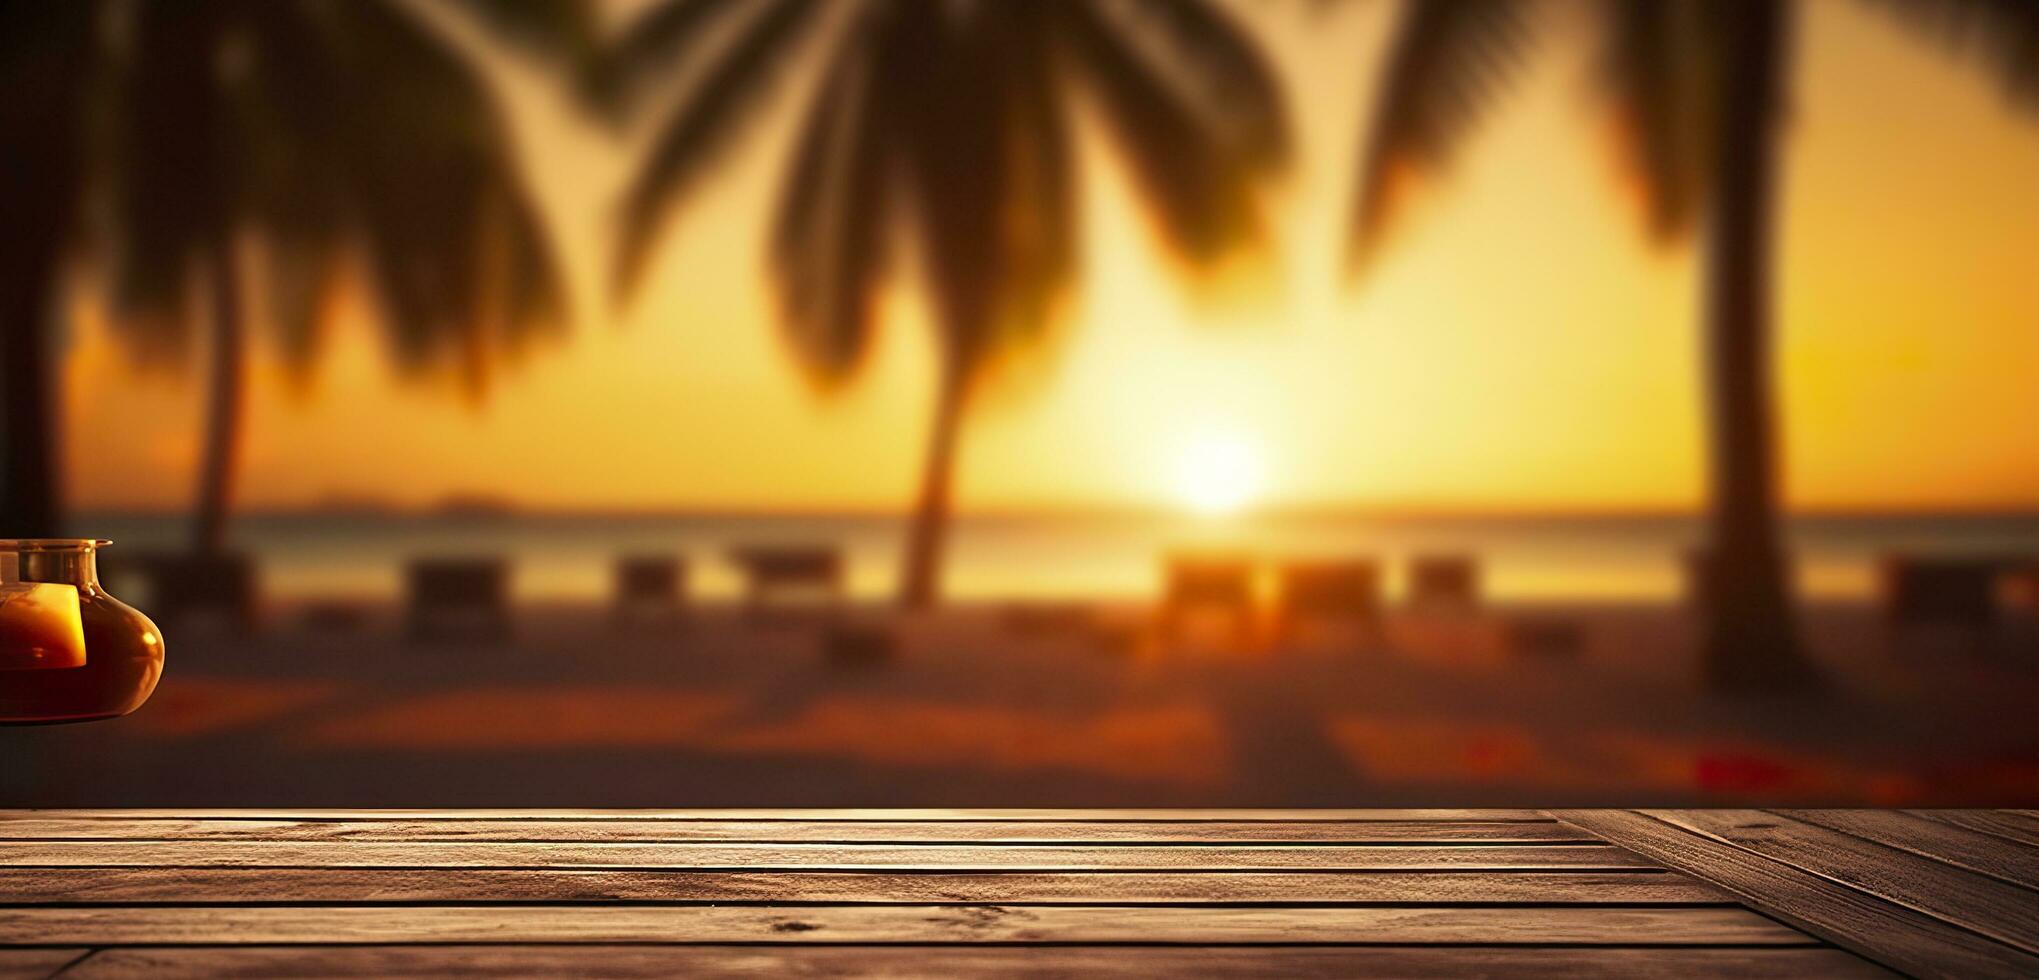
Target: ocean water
[{"x": 1062, "y": 556}]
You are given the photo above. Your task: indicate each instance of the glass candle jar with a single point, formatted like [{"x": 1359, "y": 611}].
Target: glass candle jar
[{"x": 68, "y": 650}]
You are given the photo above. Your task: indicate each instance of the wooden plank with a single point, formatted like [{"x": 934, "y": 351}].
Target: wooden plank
[
  {"x": 658, "y": 962},
  {"x": 1963, "y": 848},
  {"x": 1974, "y": 902},
  {"x": 835, "y": 831},
  {"x": 757, "y": 857},
  {"x": 296, "y": 886},
  {"x": 2008, "y": 825},
  {"x": 1898, "y": 937},
  {"x": 35, "y": 964},
  {"x": 927, "y": 924},
  {"x": 1184, "y": 815}
]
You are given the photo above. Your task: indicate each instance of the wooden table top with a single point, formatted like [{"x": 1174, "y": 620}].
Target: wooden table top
[{"x": 1573, "y": 893}]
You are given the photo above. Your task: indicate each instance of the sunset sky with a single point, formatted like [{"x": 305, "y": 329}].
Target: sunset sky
[{"x": 1520, "y": 347}]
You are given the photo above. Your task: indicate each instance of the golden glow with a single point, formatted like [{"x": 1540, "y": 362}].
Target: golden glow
[
  {"x": 1218, "y": 472},
  {"x": 1518, "y": 346}
]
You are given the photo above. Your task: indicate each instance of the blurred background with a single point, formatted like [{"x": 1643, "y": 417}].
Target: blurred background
[{"x": 937, "y": 402}]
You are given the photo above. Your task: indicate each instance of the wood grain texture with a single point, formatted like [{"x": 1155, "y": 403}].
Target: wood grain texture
[
  {"x": 930, "y": 924},
  {"x": 755, "y": 857},
  {"x": 295, "y": 886},
  {"x": 773, "y": 831},
  {"x": 1978, "y": 903},
  {"x": 1901, "y": 938},
  {"x": 1963, "y": 848},
  {"x": 35, "y": 964},
  {"x": 648, "y": 962},
  {"x": 1182, "y": 815},
  {"x": 2008, "y": 824}
]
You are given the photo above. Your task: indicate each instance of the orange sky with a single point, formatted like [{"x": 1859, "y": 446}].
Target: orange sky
[{"x": 1519, "y": 347}]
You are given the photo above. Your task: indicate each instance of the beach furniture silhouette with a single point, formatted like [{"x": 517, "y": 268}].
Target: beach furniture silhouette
[
  {"x": 1956, "y": 592},
  {"x": 1543, "y": 637},
  {"x": 858, "y": 645},
  {"x": 650, "y": 586},
  {"x": 1448, "y": 583},
  {"x": 1208, "y": 583},
  {"x": 179, "y": 586},
  {"x": 457, "y": 597},
  {"x": 1344, "y": 590},
  {"x": 781, "y": 579}
]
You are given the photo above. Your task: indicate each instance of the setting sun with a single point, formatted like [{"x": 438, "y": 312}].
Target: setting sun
[{"x": 1218, "y": 473}]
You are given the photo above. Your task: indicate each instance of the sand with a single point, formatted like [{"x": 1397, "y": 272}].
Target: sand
[{"x": 1041, "y": 706}]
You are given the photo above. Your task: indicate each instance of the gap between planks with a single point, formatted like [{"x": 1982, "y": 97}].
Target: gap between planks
[
  {"x": 752, "y": 857},
  {"x": 648, "y": 962},
  {"x": 935, "y": 924},
  {"x": 773, "y": 832},
  {"x": 296, "y": 887}
]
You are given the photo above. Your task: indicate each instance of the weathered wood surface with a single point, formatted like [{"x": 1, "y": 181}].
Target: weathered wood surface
[
  {"x": 115, "y": 893},
  {"x": 784, "y": 832},
  {"x": 936, "y": 924},
  {"x": 1978, "y": 903},
  {"x": 2011, "y": 825},
  {"x": 1976, "y": 851},
  {"x": 1776, "y": 881},
  {"x": 649, "y": 962},
  {"x": 806, "y": 815},
  {"x": 142, "y": 886},
  {"x": 751, "y": 857}
]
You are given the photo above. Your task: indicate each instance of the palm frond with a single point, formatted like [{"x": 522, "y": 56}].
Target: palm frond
[
  {"x": 2003, "y": 34},
  {"x": 703, "y": 124},
  {"x": 172, "y": 182},
  {"x": 829, "y": 247},
  {"x": 1214, "y": 54},
  {"x": 562, "y": 28},
  {"x": 453, "y": 243},
  {"x": 1448, "y": 60},
  {"x": 1201, "y": 194},
  {"x": 1040, "y": 196},
  {"x": 1658, "y": 70},
  {"x": 651, "y": 46}
]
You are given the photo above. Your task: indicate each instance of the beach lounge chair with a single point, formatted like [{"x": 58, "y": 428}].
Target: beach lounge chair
[
  {"x": 1544, "y": 637},
  {"x": 468, "y": 597},
  {"x": 1940, "y": 591},
  {"x": 1448, "y": 583},
  {"x": 781, "y": 578},
  {"x": 1216, "y": 583},
  {"x": 1347, "y": 590},
  {"x": 180, "y": 586},
  {"x": 650, "y": 587}
]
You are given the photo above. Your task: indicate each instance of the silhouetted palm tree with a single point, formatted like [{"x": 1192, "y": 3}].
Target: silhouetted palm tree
[
  {"x": 319, "y": 130},
  {"x": 47, "y": 57},
  {"x": 1700, "y": 86},
  {"x": 953, "y": 120},
  {"x": 322, "y": 130}
]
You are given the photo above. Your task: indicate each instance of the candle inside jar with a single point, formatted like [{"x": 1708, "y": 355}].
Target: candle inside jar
[{"x": 39, "y": 626}]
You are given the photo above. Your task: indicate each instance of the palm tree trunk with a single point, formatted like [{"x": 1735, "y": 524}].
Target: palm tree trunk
[
  {"x": 920, "y": 579},
  {"x": 1749, "y": 632},
  {"x": 30, "y": 502},
  {"x": 226, "y": 401}
]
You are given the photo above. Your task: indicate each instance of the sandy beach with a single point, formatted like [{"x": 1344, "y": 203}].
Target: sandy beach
[{"x": 1065, "y": 705}]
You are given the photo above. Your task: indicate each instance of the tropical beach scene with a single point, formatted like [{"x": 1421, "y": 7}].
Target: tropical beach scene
[{"x": 1075, "y": 403}]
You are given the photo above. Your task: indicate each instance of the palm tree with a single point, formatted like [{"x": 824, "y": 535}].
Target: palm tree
[
  {"x": 323, "y": 132},
  {"x": 1700, "y": 87},
  {"x": 952, "y": 120},
  {"x": 46, "y": 55}
]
